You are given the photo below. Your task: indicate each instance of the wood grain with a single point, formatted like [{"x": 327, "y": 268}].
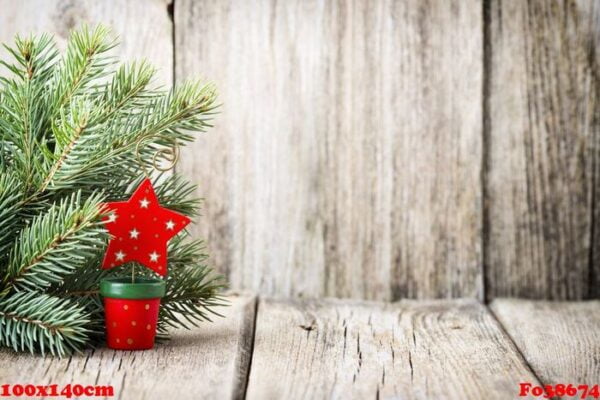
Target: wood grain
[
  {"x": 347, "y": 158},
  {"x": 409, "y": 350},
  {"x": 143, "y": 26},
  {"x": 350, "y": 158},
  {"x": 560, "y": 340},
  {"x": 594, "y": 61},
  {"x": 210, "y": 362},
  {"x": 543, "y": 140}
]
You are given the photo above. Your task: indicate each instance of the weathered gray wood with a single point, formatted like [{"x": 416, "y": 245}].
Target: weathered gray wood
[
  {"x": 543, "y": 136},
  {"x": 560, "y": 340},
  {"x": 421, "y": 350},
  {"x": 209, "y": 362},
  {"x": 144, "y": 26},
  {"x": 594, "y": 57},
  {"x": 347, "y": 158}
]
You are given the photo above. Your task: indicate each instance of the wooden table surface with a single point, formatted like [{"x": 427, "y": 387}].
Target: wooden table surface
[{"x": 316, "y": 349}]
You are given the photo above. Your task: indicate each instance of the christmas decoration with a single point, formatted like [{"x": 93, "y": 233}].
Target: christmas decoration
[
  {"x": 78, "y": 135},
  {"x": 131, "y": 311},
  {"x": 140, "y": 229}
]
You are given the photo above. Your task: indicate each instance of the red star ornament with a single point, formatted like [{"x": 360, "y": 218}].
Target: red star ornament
[{"x": 140, "y": 229}]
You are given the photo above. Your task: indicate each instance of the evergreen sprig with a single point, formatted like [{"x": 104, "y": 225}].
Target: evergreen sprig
[
  {"x": 56, "y": 243},
  {"x": 10, "y": 196},
  {"x": 37, "y": 322},
  {"x": 76, "y": 131}
]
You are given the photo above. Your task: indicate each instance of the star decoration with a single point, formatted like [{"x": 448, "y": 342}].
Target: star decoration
[
  {"x": 140, "y": 229},
  {"x": 153, "y": 256}
]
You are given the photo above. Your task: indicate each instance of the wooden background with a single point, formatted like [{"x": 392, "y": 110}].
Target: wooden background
[{"x": 382, "y": 149}]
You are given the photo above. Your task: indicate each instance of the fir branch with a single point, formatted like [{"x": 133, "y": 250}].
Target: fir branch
[
  {"x": 68, "y": 135},
  {"x": 175, "y": 193},
  {"x": 164, "y": 120},
  {"x": 34, "y": 57},
  {"x": 23, "y": 111},
  {"x": 38, "y": 322},
  {"x": 86, "y": 282},
  {"x": 75, "y": 126},
  {"x": 55, "y": 244},
  {"x": 10, "y": 195},
  {"x": 192, "y": 289},
  {"x": 22, "y": 123},
  {"x": 188, "y": 108},
  {"x": 127, "y": 91},
  {"x": 89, "y": 117},
  {"x": 84, "y": 62},
  {"x": 191, "y": 296}
]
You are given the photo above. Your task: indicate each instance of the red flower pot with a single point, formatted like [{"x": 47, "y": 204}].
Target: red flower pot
[{"x": 131, "y": 311}]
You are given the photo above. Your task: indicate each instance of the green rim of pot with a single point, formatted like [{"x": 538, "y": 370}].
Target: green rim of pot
[{"x": 122, "y": 288}]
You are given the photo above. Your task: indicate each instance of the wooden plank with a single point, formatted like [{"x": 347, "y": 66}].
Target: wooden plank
[
  {"x": 594, "y": 56},
  {"x": 560, "y": 340},
  {"x": 413, "y": 350},
  {"x": 347, "y": 158},
  {"x": 543, "y": 136},
  {"x": 207, "y": 362},
  {"x": 143, "y": 26}
]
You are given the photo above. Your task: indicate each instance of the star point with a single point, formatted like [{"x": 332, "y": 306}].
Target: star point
[
  {"x": 144, "y": 203},
  {"x": 170, "y": 225}
]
